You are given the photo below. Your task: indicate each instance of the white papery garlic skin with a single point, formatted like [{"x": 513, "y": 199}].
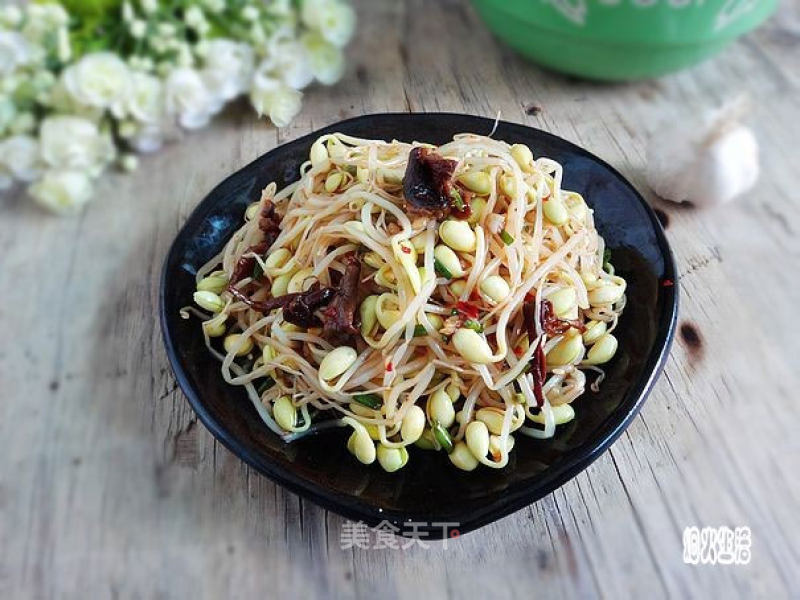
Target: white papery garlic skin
[{"x": 707, "y": 163}]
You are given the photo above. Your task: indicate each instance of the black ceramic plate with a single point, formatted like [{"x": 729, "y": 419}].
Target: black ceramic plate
[{"x": 429, "y": 490}]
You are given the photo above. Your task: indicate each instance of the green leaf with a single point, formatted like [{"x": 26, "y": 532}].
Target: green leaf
[
  {"x": 372, "y": 401},
  {"x": 441, "y": 269},
  {"x": 507, "y": 238},
  {"x": 85, "y": 8},
  {"x": 455, "y": 196},
  {"x": 442, "y": 436},
  {"x": 474, "y": 325}
]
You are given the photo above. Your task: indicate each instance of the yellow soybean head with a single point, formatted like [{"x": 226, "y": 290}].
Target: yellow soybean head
[
  {"x": 280, "y": 285},
  {"x": 336, "y": 362},
  {"x": 594, "y": 331},
  {"x": 477, "y": 438},
  {"x": 523, "y": 157},
  {"x": 567, "y": 351},
  {"x": 284, "y": 413},
  {"x": 238, "y": 343},
  {"x": 477, "y": 181},
  {"x": 209, "y": 301},
  {"x": 369, "y": 317},
  {"x": 602, "y": 351},
  {"x": 440, "y": 408},
  {"x": 392, "y": 459},
  {"x": 215, "y": 282},
  {"x": 472, "y": 346},
  {"x": 462, "y": 458},
  {"x": 413, "y": 425},
  {"x": 458, "y": 235}
]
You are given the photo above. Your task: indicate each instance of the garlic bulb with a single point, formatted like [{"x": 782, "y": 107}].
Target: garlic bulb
[{"x": 705, "y": 161}]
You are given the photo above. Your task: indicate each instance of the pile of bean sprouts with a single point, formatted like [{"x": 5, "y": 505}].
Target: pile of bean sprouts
[{"x": 404, "y": 380}]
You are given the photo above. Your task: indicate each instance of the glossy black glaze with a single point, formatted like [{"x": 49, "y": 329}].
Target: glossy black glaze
[{"x": 429, "y": 489}]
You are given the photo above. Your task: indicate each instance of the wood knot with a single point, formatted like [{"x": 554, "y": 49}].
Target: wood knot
[
  {"x": 691, "y": 337},
  {"x": 533, "y": 110}
]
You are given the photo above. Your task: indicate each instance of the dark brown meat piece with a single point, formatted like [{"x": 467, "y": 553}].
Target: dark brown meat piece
[
  {"x": 427, "y": 183},
  {"x": 298, "y": 308},
  {"x": 269, "y": 223},
  {"x": 339, "y": 317},
  {"x": 245, "y": 265},
  {"x": 538, "y": 366}
]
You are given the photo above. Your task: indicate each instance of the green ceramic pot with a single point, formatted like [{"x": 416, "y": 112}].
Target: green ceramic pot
[{"x": 621, "y": 39}]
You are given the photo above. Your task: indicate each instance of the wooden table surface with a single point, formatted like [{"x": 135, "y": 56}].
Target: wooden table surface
[{"x": 109, "y": 488}]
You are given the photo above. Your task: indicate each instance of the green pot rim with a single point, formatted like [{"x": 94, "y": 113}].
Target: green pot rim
[{"x": 585, "y": 35}]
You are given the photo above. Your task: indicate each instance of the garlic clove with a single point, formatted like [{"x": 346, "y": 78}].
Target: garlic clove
[{"x": 707, "y": 161}]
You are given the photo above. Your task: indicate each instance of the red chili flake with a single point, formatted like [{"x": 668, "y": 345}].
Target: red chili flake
[
  {"x": 389, "y": 367},
  {"x": 518, "y": 351},
  {"x": 667, "y": 283},
  {"x": 467, "y": 309},
  {"x": 405, "y": 249}
]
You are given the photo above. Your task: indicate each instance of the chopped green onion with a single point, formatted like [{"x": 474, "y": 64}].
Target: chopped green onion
[
  {"x": 258, "y": 271},
  {"x": 455, "y": 196},
  {"x": 474, "y": 325},
  {"x": 372, "y": 401},
  {"x": 441, "y": 269},
  {"x": 507, "y": 238},
  {"x": 442, "y": 436},
  {"x": 420, "y": 330}
]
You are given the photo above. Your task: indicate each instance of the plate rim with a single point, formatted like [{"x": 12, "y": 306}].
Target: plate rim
[{"x": 351, "y": 507}]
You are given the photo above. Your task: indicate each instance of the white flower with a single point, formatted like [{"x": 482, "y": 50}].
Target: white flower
[
  {"x": 10, "y": 16},
  {"x": 23, "y": 123},
  {"x": 250, "y": 13},
  {"x": 15, "y": 51},
  {"x": 146, "y": 101},
  {"x": 195, "y": 19},
  {"x": 291, "y": 62},
  {"x": 228, "y": 68},
  {"x": 101, "y": 80},
  {"x": 276, "y": 99},
  {"x": 60, "y": 100},
  {"x": 335, "y": 20},
  {"x": 213, "y": 6},
  {"x": 188, "y": 98},
  {"x": 8, "y": 111},
  {"x": 42, "y": 20},
  {"x": 326, "y": 60},
  {"x": 147, "y": 139},
  {"x": 128, "y": 162},
  {"x": 19, "y": 156},
  {"x": 138, "y": 28},
  {"x": 63, "y": 45},
  {"x": 69, "y": 142},
  {"x": 62, "y": 190},
  {"x": 149, "y": 6},
  {"x": 128, "y": 14}
]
